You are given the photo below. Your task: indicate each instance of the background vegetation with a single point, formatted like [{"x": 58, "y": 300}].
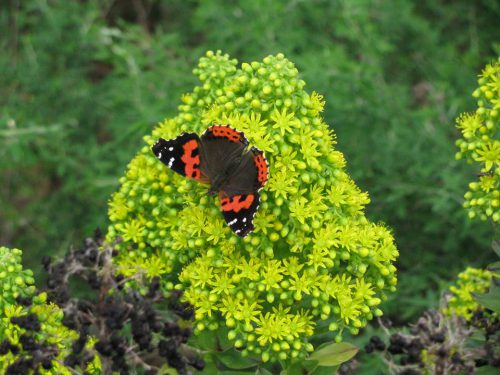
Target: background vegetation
[{"x": 82, "y": 81}]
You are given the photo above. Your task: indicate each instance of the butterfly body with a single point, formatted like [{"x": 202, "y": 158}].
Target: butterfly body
[
  {"x": 221, "y": 180},
  {"x": 221, "y": 158}
]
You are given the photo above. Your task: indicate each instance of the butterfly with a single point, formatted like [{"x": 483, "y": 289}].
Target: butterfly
[{"x": 222, "y": 158}]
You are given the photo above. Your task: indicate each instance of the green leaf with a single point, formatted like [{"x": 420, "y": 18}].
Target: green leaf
[
  {"x": 294, "y": 369},
  {"x": 334, "y": 354},
  {"x": 223, "y": 342},
  {"x": 490, "y": 300},
  {"x": 205, "y": 340},
  {"x": 495, "y": 245},
  {"x": 313, "y": 368},
  {"x": 310, "y": 365},
  {"x": 210, "y": 367},
  {"x": 262, "y": 371},
  {"x": 233, "y": 360},
  {"x": 325, "y": 370}
]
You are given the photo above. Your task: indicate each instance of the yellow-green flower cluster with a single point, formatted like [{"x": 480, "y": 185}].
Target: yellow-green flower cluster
[
  {"x": 481, "y": 145},
  {"x": 16, "y": 282},
  {"x": 462, "y": 302},
  {"x": 313, "y": 255}
]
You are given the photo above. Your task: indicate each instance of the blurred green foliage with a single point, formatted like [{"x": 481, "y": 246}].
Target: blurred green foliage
[{"x": 82, "y": 81}]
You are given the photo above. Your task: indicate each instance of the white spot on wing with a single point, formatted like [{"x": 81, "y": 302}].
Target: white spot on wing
[
  {"x": 232, "y": 222},
  {"x": 170, "y": 149},
  {"x": 171, "y": 162}
]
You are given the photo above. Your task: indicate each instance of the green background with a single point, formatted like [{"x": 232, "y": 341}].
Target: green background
[{"x": 82, "y": 81}]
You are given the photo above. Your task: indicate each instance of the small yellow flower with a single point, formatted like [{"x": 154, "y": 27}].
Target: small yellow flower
[
  {"x": 247, "y": 311},
  {"x": 301, "y": 284},
  {"x": 317, "y": 102},
  {"x": 269, "y": 328},
  {"x": 469, "y": 124},
  {"x": 488, "y": 183},
  {"x": 221, "y": 284},
  {"x": 279, "y": 182},
  {"x": 254, "y": 123},
  {"x": 118, "y": 207},
  {"x": 154, "y": 266},
  {"x": 283, "y": 121},
  {"x": 489, "y": 154},
  {"x": 249, "y": 268},
  {"x": 216, "y": 230},
  {"x": 133, "y": 230},
  {"x": 271, "y": 274}
]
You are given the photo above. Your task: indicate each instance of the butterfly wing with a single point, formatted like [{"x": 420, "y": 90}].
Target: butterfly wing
[
  {"x": 250, "y": 176},
  {"x": 239, "y": 197},
  {"x": 182, "y": 155},
  {"x": 239, "y": 210},
  {"x": 220, "y": 145},
  {"x": 261, "y": 165}
]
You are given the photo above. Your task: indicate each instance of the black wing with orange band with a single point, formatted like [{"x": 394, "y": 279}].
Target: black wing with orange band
[
  {"x": 182, "y": 155},
  {"x": 239, "y": 210}
]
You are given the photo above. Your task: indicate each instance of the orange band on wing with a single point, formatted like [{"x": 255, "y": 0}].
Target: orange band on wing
[
  {"x": 261, "y": 165},
  {"x": 190, "y": 160},
  {"x": 226, "y": 132},
  {"x": 236, "y": 203}
]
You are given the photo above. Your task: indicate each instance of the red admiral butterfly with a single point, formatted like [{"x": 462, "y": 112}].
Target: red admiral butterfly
[{"x": 220, "y": 158}]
